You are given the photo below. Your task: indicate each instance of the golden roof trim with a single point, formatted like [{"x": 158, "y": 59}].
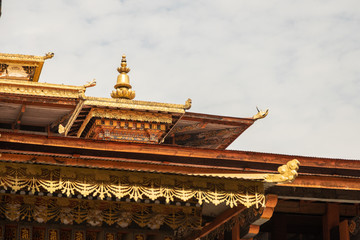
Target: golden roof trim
[
  {"x": 35, "y": 88},
  {"x": 23, "y": 57},
  {"x": 138, "y": 105},
  {"x": 41, "y": 89},
  {"x": 41, "y": 84}
]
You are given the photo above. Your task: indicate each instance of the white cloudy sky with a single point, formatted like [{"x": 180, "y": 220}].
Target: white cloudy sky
[{"x": 299, "y": 58}]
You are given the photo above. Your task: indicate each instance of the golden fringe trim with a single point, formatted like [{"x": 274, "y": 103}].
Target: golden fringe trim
[{"x": 133, "y": 185}]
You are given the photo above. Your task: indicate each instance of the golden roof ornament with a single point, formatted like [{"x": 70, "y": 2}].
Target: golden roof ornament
[
  {"x": 123, "y": 87},
  {"x": 260, "y": 114}
]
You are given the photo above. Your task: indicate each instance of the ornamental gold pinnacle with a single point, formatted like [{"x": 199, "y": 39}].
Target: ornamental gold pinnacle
[{"x": 123, "y": 87}]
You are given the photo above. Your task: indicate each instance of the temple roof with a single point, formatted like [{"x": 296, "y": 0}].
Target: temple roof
[
  {"x": 22, "y": 67},
  {"x": 64, "y": 109}
]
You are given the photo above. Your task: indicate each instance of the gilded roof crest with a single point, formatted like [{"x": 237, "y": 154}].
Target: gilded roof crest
[{"x": 123, "y": 87}]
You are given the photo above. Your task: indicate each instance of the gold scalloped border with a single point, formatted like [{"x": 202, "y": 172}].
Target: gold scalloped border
[{"x": 132, "y": 185}]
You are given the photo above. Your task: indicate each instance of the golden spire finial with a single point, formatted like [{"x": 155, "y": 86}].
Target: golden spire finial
[{"x": 123, "y": 87}]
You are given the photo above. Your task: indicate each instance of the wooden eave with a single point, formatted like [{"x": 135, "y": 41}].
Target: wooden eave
[
  {"x": 28, "y": 88},
  {"x": 207, "y": 131},
  {"x": 182, "y": 157},
  {"x": 166, "y": 157},
  {"x": 29, "y": 111}
]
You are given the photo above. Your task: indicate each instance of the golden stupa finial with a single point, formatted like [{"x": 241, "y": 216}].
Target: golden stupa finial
[{"x": 123, "y": 87}]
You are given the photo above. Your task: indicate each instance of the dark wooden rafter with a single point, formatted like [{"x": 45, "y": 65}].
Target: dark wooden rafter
[
  {"x": 38, "y": 100},
  {"x": 175, "y": 121},
  {"x": 218, "y": 221},
  {"x": 17, "y": 122},
  {"x": 61, "y": 120},
  {"x": 84, "y": 112},
  {"x": 73, "y": 116}
]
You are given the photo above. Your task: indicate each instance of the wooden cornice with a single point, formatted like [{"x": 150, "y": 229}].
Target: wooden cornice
[
  {"x": 208, "y": 118},
  {"x": 186, "y": 156},
  {"x": 303, "y": 181}
]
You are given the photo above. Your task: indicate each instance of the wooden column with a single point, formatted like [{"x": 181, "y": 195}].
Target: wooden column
[
  {"x": 236, "y": 232},
  {"x": 330, "y": 219}
]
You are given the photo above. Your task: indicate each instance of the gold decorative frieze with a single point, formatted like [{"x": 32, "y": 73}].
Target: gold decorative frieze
[
  {"x": 128, "y": 131},
  {"x": 24, "y": 58},
  {"x": 135, "y": 118},
  {"x": 40, "y": 89},
  {"x": 131, "y": 115},
  {"x": 133, "y": 185},
  {"x": 137, "y": 105},
  {"x": 70, "y": 211}
]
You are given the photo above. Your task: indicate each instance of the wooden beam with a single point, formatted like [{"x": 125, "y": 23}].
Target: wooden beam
[
  {"x": 218, "y": 221},
  {"x": 85, "y": 122},
  {"x": 38, "y": 101},
  {"x": 73, "y": 117}
]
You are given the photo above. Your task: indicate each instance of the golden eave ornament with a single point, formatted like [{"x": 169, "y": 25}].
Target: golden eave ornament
[{"x": 123, "y": 87}]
